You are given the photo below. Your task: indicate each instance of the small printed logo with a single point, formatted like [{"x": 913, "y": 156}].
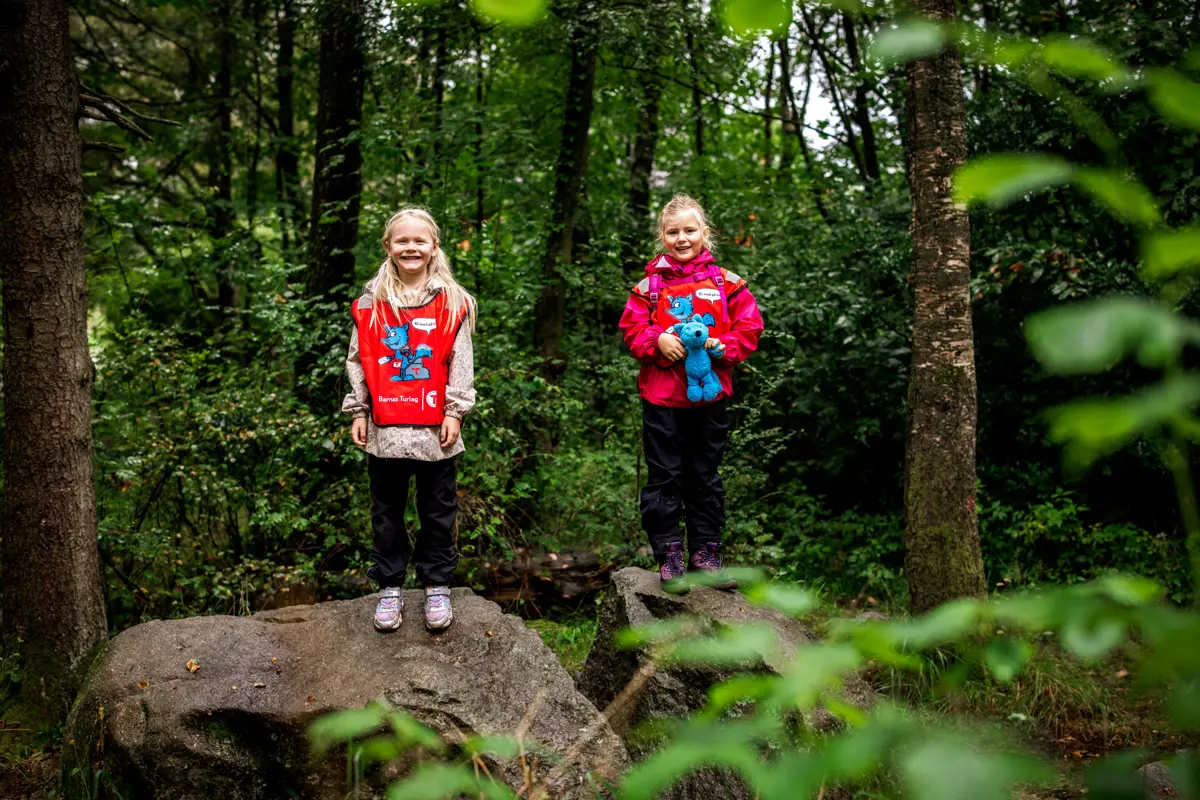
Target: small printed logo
[
  {"x": 384, "y": 359},
  {"x": 711, "y": 295},
  {"x": 424, "y": 323},
  {"x": 431, "y": 398}
]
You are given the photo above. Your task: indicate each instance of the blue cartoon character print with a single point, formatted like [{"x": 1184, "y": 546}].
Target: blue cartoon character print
[
  {"x": 681, "y": 308},
  {"x": 411, "y": 363}
]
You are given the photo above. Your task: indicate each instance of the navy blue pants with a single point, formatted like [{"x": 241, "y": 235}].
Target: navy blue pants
[
  {"x": 683, "y": 449},
  {"x": 437, "y": 508}
]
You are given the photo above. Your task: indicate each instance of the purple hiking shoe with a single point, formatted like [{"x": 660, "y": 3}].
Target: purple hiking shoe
[
  {"x": 673, "y": 571},
  {"x": 708, "y": 561}
]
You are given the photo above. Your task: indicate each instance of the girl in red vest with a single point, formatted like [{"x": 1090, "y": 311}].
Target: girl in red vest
[
  {"x": 412, "y": 372},
  {"x": 684, "y": 427}
]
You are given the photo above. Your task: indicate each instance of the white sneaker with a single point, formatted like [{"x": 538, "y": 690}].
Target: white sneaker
[
  {"x": 387, "y": 611},
  {"x": 438, "y": 614}
]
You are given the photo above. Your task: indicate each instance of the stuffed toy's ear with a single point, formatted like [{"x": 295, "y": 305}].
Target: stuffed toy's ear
[
  {"x": 677, "y": 328},
  {"x": 697, "y": 318}
]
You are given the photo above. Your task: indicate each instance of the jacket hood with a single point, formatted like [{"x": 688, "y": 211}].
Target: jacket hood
[{"x": 663, "y": 263}]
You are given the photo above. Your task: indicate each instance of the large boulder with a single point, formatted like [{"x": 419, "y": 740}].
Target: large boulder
[
  {"x": 634, "y": 598},
  {"x": 236, "y": 726}
]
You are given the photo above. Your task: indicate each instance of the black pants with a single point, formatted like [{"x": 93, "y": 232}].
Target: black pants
[
  {"x": 683, "y": 452},
  {"x": 437, "y": 507}
]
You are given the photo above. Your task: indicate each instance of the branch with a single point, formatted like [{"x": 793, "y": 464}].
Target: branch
[{"x": 719, "y": 99}]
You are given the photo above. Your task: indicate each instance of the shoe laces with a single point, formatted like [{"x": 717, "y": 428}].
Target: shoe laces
[
  {"x": 437, "y": 602},
  {"x": 708, "y": 557},
  {"x": 675, "y": 560}
]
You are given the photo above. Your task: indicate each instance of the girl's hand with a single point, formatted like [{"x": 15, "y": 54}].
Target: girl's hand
[
  {"x": 450, "y": 428},
  {"x": 358, "y": 431},
  {"x": 717, "y": 346},
  {"x": 670, "y": 346}
]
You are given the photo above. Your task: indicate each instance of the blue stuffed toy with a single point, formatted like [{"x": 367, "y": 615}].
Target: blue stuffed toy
[{"x": 702, "y": 381}]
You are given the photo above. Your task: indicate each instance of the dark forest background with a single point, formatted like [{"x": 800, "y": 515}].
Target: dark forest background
[{"x": 236, "y": 208}]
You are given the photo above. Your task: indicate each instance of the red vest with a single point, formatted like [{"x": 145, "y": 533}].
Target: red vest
[
  {"x": 679, "y": 299},
  {"x": 407, "y": 360}
]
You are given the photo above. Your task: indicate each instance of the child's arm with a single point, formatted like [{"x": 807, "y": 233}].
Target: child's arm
[
  {"x": 358, "y": 403},
  {"x": 745, "y": 326},
  {"x": 460, "y": 386},
  {"x": 638, "y": 330}
]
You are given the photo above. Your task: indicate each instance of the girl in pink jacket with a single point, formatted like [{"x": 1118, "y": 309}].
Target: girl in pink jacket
[{"x": 684, "y": 439}]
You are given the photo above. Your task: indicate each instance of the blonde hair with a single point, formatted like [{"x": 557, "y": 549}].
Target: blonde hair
[
  {"x": 387, "y": 286},
  {"x": 677, "y": 204}
]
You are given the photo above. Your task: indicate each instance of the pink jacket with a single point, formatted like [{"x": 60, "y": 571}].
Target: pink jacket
[{"x": 663, "y": 383}]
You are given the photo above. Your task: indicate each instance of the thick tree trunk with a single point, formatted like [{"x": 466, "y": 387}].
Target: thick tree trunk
[
  {"x": 287, "y": 159},
  {"x": 582, "y": 46},
  {"x": 337, "y": 175},
  {"x": 943, "y": 558},
  {"x": 49, "y": 573}
]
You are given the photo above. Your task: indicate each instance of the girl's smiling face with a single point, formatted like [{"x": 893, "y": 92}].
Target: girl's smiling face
[
  {"x": 683, "y": 235},
  {"x": 410, "y": 245}
]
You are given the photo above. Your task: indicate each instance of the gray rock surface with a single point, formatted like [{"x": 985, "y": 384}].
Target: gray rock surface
[
  {"x": 236, "y": 728},
  {"x": 636, "y": 599},
  {"x": 1157, "y": 781}
]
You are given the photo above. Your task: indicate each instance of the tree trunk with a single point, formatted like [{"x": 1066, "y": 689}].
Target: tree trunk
[
  {"x": 641, "y": 165},
  {"x": 337, "y": 174},
  {"x": 220, "y": 177},
  {"x": 480, "y": 167},
  {"x": 941, "y": 534},
  {"x": 768, "y": 122},
  {"x": 49, "y": 573},
  {"x": 287, "y": 160},
  {"x": 862, "y": 111},
  {"x": 815, "y": 32},
  {"x": 694, "y": 70},
  {"x": 551, "y": 306}
]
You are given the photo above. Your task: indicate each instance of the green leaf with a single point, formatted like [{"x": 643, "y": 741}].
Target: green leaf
[
  {"x": 1175, "y": 97},
  {"x": 915, "y": 38},
  {"x": 737, "y": 689},
  {"x": 1128, "y": 201},
  {"x": 1093, "y": 336},
  {"x": 946, "y": 623},
  {"x": 751, "y": 16},
  {"x": 1006, "y": 657},
  {"x": 657, "y": 632},
  {"x": 1116, "y": 777},
  {"x": 444, "y": 781},
  {"x": 342, "y": 726},
  {"x": 1129, "y": 590},
  {"x": 1091, "y": 429},
  {"x": 411, "y": 732},
  {"x": 948, "y": 768},
  {"x": 512, "y": 12},
  {"x": 1000, "y": 179},
  {"x": 501, "y": 747},
  {"x": 1166, "y": 253},
  {"x": 732, "y": 646},
  {"x": 1080, "y": 58},
  {"x": 791, "y": 600},
  {"x": 1091, "y": 636},
  {"x": 696, "y": 744}
]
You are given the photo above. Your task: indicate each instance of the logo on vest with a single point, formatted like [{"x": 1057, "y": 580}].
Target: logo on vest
[
  {"x": 401, "y": 399},
  {"x": 431, "y": 398},
  {"x": 424, "y": 323},
  {"x": 711, "y": 295}
]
